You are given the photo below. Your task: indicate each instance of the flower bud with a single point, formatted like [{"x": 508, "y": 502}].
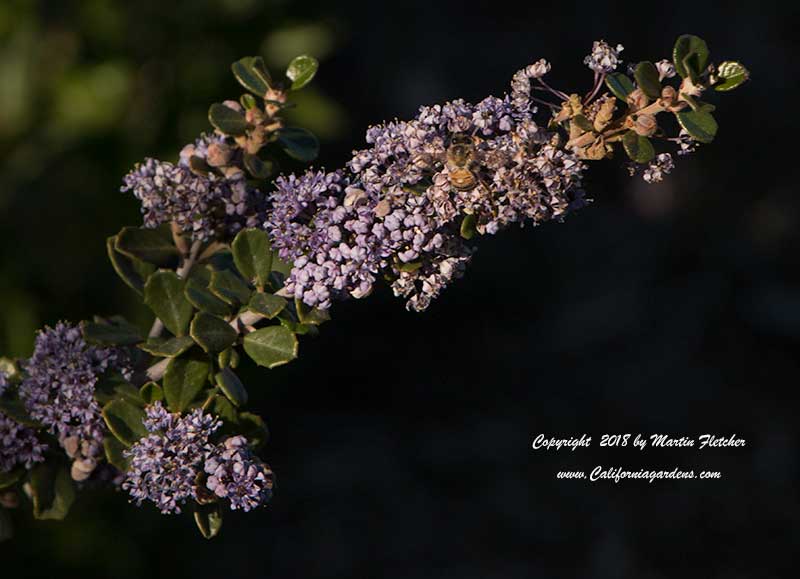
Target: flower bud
[
  {"x": 637, "y": 99},
  {"x": 645, "y": 125},
  {"x": 219, "y": 155}
]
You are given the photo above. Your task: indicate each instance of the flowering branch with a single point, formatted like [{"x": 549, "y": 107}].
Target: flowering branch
[{"x": 234, "y": 258}]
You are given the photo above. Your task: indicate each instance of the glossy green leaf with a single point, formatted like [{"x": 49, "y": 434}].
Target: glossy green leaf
[
  {"x": 638, "y": 148},
  {"x": 213, "y": 334},
  {"x": 646, "y": 76},
  {"x": 111, "y": 334},
  {"x": 227, "y": 120},
  {"x": 620, "y": 85},
  {"x": 301, "y": 70},
  {"x": 151, "y": 392},
  {"x": 731, "y": 74},
  {"x": 208, "y": 519},
  {"x": 52, "y": 491},
  {"x": 163, "y": 292},
  {"x": 252, "y": 254},
  {"x": 167, "y": 348},
  {"x": 124, "y": 420},
  {"x": 257, "y": 167},
  {"x": 253, "y": 428},
  {"x": 268, "y": 305},
  {"x": 184, "y": 379},
  {"x": 114, "y": 453},
  {"x": 198, "y": 294},
  {"x": 252, "y": 74},
  {"x": 113, "y": 385},
  {"x": 248, "y": 101},
  {"x": 231, "y": 386},
  {"x": 468, "y": 230},
  {"x": 132, "y": 271},
  {"x": 299, "y": 143},
  {"x": 154, "y": 246},
  {"x": 690, "y": 56},
  {"x": 224, "y": 409},
  {"x": 700, "y": 125},
  {"x": 229, "y": 287},
  {"x": 309, "y": 315},
  {"x": 271, "y": 346}
]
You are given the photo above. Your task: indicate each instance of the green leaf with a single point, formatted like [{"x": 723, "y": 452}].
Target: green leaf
[
  {"x": 151, "y": 392},
  {"x": 11, "y": 477},
  {"x": 223, "y": 408},
  {"x": 153, "y": 246},
  {"x": 208, "y": 519},
  {"x": 268, "y": 305},
  {"x": 252, "y": 254},
  {"x": 253, "y": 428},
  {"x": 690, "y": 56},
  {"x": 52, "y": 491},
  {"x": 299, "y": 143},
  {"x": 124, "y": 420},
  {"x": 114, "y": 453},
  {"x": 111, "y": 334},
  {"x": 646, "y": 76},
  {"x": 132, "y": 271},
  {"x": 167, "y": 348},
  {"x": 248, "y": 101},
  {"x": 700, "y": 125},
  {"x": 639, "y": 148},
  {"x": 183, "y": 381},
  {"x": 228, "y": 357},
  {"x": 200, "y": 297},
  {"x": 212, "y": 333},
  {"x": 271, "y": 346},
  {"x": 227, "y": 120},
  {"x": 163, "y": 292},
  {"x": 231, "y": 386},
  {"x": 620, "y": 85},
  {"x": 468, "y": 230},
  {"x": 14, "y": 408},
  {"x": 732, "y": 75},
  {"x": 252, "y": 74},
  {"x": 301, "y": 70},
  {"x": 229, "y": 287},
  {"x": 309, "y": 315},
  {"x": 257, "y": 167},
  {"x": 113, "y": 385},
  {"x": 280, "y": 266}
]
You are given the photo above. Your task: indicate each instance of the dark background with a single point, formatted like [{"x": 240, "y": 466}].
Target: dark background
[{"x": 401, "y": 442}]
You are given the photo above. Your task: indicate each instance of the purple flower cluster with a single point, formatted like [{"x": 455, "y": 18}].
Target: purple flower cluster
[
  {"x": 399, "y": 209},
  {"x": 18, "y": 443},
  {"x": 164, "y": 465},
  {"x": 59, "y": 384},
  {"x": 203, "y": 205},
  {"x": 234, "y": 473}
]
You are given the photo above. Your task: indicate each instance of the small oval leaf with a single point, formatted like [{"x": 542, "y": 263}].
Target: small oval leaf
[
  {"x": 231, "y": 386},
  {"x": 252, "y": 74},
  {"x": 163, "y": 293},
  {"x": 154, "y": 246},
  {"x": 620, "y": 85},
  {"x": 700, "y": 125},
  {"x": 638, "y": 148},
  {"x": 268, "y": 305},
  {"x": 646, "y": 76},
  {"x": 299, "y": 143},
  {"x": 212, "y": 333},
  {"x": 226, "y": 120},
  {"x": 271, "y": 346},
  {"x": 183, "y": 381},
  {"x": 252, "y": 254},
  {"x": 301, "y": 70},
  {"x": 124, "y": 420}
]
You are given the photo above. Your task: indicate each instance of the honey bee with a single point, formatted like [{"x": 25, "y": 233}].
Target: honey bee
[{"x": 460, "y": 158}]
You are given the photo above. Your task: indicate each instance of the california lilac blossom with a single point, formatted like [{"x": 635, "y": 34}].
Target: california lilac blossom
[
  {"x": 18, "y": 443},
  {"x": 604, "y": 58},
  {"x": 234, "y": 473},
  {"x": 164, "y": 464},
  {"x": 59, "y": 384},
  {"x": 204, "y": 206}
]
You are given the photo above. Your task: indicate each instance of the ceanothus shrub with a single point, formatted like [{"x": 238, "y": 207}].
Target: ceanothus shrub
[{"x": 235, "y": 258}]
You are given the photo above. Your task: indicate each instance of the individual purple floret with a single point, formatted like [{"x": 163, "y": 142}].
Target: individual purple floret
[
  {"x": 58, "y": 389},
  {"x": 164, "y": 464},
  {"x": 236, "y": 474},
  {"x": 18, "y": 444}
]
